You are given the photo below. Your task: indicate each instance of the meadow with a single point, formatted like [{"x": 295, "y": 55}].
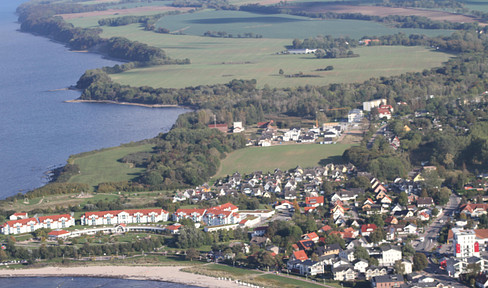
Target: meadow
[
  {"x": 103, "y": 166},
  {"x": 284, "y": 157}
]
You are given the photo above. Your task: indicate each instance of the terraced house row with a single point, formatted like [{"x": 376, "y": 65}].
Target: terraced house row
[
  {"x": 21, "y": 223},
  {"x": 219, "y": 215}
]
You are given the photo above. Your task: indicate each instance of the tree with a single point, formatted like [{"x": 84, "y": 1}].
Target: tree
[
  {"x": 399, "y": 267},
  {"x": 408, "y": 250},
  {"x": 281, "y": 72},
  {"x": 191, "y": 254},
  {"x": 435, "y": 212},
  {"x": 361, "y": 253},
  {"x": 420, "y": 261},
  {"x": 403, "y": 198},
  {"x": 378, "y": 235}
]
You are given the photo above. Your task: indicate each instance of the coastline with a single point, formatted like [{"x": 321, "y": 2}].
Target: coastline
[
  {"x": 125, "y": 103},
  {"x": 154, "y": 273}
]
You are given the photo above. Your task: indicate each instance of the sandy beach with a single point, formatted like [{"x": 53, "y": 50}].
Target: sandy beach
[
  {"x": 158, "y": 273},
  {"x": 124, "y": 103}
]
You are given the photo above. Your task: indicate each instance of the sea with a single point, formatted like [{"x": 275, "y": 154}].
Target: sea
[
  {"x": 84, "y": 282},
  {"x": 38, "y": 129}
]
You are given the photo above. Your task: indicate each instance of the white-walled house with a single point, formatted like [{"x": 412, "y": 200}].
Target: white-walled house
[
  {"x": 124, "y": 217},
  {"x": 28, "y": 225}
]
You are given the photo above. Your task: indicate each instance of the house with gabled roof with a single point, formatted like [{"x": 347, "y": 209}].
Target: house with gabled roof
[
  {"x": 425, "y": 202},
  {"x": 57, "y": 221},
  {"x": 314, "y": 201},
  {"x": 311, "y": 236},
  {"x": 299, "y": 255},
  {"x": 367, "y": 229}
]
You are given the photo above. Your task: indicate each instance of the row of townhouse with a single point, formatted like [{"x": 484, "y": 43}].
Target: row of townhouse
[
  {"x": 20, "y": 223},
  {"x": 129, "y": 216},
  {"x": 224, "y": 214}
]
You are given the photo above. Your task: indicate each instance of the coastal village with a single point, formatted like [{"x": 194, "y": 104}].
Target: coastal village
[{"x": 350, "y": 227}]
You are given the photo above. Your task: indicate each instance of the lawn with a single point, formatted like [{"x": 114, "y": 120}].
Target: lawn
[
  {"x": 231, "y": 270},
  {"x": 103, "y": 166},
  {"x": 284, "y": 157},
  {"x": 285, "y": 282}
]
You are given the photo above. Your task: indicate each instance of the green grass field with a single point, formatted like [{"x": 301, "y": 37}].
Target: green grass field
[
  {"x": 279, "y": 26},
  {"x": 280, "y": 281},
  {"x": 103, "y": 166},
  {"x": 478, "y": 5},
  {"x": 219, "y": 60},
  {"x": 284, "y": 157}
]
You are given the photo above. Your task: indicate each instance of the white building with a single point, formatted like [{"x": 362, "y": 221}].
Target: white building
[
  {"x": 292, "y": 135},
  {"x": 369, "y": 105},
  {"x": 354, "y": 116},
  {"x": 389, "y": 255},
  {"x": 465, "y": 243},
  {"x": 28, "y": 225},
  {"x": 237, "y": 127},
  {"x": 124, "y": 217}
]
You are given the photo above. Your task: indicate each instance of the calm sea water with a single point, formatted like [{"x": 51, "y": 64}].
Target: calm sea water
[
  {"x": 79, "y": 282},
  {"x": 38, "y": 130}
]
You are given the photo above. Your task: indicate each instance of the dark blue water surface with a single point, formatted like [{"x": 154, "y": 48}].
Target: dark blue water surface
[
  {"x": 83, "y": 282},
  {"x": 38, "y": 130}
]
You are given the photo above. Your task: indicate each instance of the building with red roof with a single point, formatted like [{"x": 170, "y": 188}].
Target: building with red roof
[
  {"x": 56, "y": 234},
  {"x": 300, "y": 255},
  {"x": 314, "y": 201},
  {"x": 27, "y": 225},
  {"x": 367, "y": 229},
  {"x": 129, "y": 216},
  {"x": 175, "y": 228},
  {"x": 224, "y": 214},
  {"x": 221, "y": 127},
  {"x": 196, "y": 215},
  {"x": 17, "y": 216}
]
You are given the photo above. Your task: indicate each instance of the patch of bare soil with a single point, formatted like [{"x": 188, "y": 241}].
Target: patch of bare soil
[{"x": 384, "y": 11}]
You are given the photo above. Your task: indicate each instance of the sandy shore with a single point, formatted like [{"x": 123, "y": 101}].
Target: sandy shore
[
  {"x": 124, "y": 103},
  {"x": 158, "y": 273}
]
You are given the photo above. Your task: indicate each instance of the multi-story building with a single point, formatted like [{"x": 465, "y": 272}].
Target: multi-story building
[
  {"x": 465, "y": 243},
  {"x": 124, "y": 217},
  {"x": 27, "y": 225}
]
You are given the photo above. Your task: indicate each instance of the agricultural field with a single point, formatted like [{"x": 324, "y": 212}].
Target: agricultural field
[
  {"x": 478, "y": 5},
  {"x": 103, "y": 166},
  {"x": 280, "y": 156},
  {"x": 278, "y": 26}
]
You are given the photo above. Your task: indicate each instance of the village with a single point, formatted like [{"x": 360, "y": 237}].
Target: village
[
  {"x": 362, "y": 233},
  {"x": 332, "y": 222}
]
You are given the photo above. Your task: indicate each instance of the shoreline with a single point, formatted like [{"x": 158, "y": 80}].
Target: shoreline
[
  {"x": 126, "y": 103},
  {"x": 171, "y": 274}
]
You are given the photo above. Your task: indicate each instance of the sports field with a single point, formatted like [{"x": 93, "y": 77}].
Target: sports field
[
  {"x": 284, "y": 157},
  {"x": 103, "y": 166}
]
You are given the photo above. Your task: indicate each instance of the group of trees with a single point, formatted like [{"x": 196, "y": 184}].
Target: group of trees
[{"x": 223, "y": 34}]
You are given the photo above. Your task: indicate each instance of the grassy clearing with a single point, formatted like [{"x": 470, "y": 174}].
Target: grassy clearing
[
  {"x": 232, "y": 270},
  {"x": 219, "y": 60},
  {"x": 284, "y": 157},
  {"x": 104, "y": 166},
  {"x": 478, "y": 5}
]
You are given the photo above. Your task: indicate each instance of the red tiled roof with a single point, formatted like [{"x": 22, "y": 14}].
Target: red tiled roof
[
  {"x": 131, "y": 212},
  {"x": 20, "y": 221},
  {"x": 174, "y": 227},
  {"x": 57, "y": 232},
  {"x": 314, "y": 200},
  {"x": 20, "y": 214},
  {"x": 191, "y": 211},
  {"x": 226, "y": 206},
  {"x": 366, "y": 227},
  {"x": 300, "y": 255},
  {"x": 326, "y": 228},
  {"x": 54, "y": 217}
]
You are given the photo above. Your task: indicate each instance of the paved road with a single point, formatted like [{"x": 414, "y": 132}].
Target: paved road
[{"x": 432, "y": 231}]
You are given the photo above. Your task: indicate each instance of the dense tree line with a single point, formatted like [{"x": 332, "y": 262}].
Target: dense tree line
[
  {"x": 39, "y": 19},
  {"x": 423, "y": 4},
  {"x": 223, "y": 34}
]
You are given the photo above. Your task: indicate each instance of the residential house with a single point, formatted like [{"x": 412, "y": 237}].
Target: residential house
[
  {"x": 284, "y": 205},
  {"x": 374, "y": 271},
  {"x": 354, "y": 116},
  {"x": 390, "y": 254},
  {"x": 27, "y": 225},
  {"x": 361, "y": 265},
  {"x": 299, "y": 255},
  {"x": 367, "y": 229},
  {"x": 425, "y": 202},
  {"x": 344, "y": 273},
  {"x": 196, "y": 215},
  {"x": 314, "y": 201},
  {"x": 57, "y": 221},
  {"x": 387, "y": 281},
  {"x": 347, "y": 255},
  {"x": 474, "y": 210}
]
